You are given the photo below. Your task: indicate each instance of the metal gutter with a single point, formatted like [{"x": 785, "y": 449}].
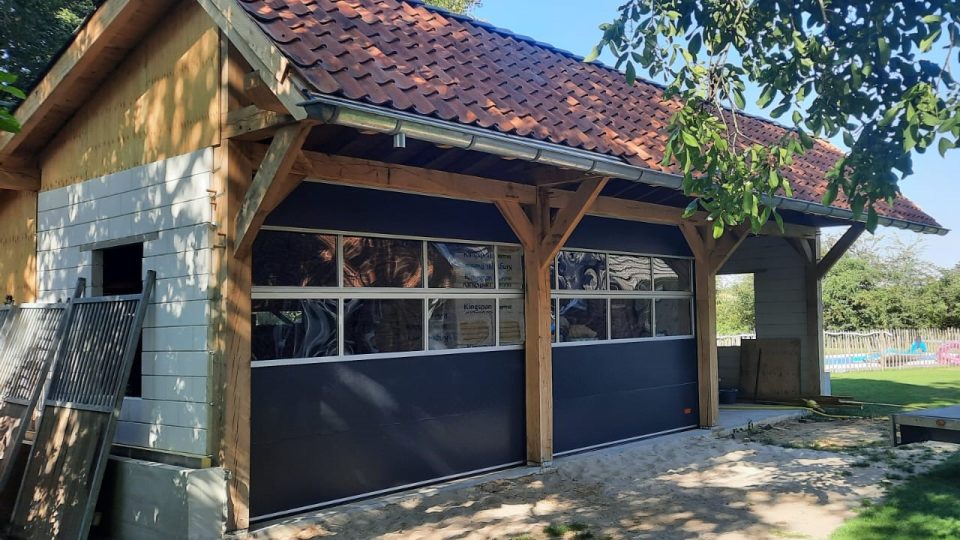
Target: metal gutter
[{"x": 364, "y": 117}]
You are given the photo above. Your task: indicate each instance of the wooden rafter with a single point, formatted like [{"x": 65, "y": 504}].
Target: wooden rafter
[
  {"x": 272, "y": 183},
  {"x": 837, "y": 251},
  {"x": 260, "y": 52},
  {"x": 19, "y": 177},
  {"x": 253, "y": 123}
]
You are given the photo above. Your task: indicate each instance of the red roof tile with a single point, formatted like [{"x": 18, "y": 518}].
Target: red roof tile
[{"x": 408, "y": 57}]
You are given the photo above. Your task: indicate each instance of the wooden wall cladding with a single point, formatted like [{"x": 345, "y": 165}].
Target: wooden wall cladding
[
  {"x": 161, "y": 101},
  {"x": 18, "y": 245}
]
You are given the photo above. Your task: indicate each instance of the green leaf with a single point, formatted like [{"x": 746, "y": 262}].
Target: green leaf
[
  {"x": 779, "y": 220},
  {"x": 689, "y": 139},
  {"x": 872, "y": 219},
  {"x": 926, "y": 44},
  {"x": 883, "y": 48},
  {"x": 691, "y": 209},
  {"x": 848, "y": 139},
  {"x": 773, "y": 179},
  {"x": 830, "y": 195},
  {"x": 766, "y": 97},
  {"x": 594, "y": 53},
  {"x": 778, "y": 112},
  {"x": 931, "y": 19},
  {"x": 718, "y": 228},
  {"x": 695, "y": 42},
  {"x": 631, "y": 74},
  {"x": 945, "y": 144},
  {"x": 738, "y": 99}
]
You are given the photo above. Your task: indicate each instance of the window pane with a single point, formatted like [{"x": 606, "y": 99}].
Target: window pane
[
  {"x": 290, "y": 259},
  {"x": 583, "y": 319},
  {"x": 382, "y": 326},
  {"x": 674, "y": 317},
  {"x": 511, "y": 321},
  {"x": 630, "y": 318},
  {"x": 461, "y": 266},
  {"x": 671, "y": 274},
  {"x": 458, "y": 323},
  {"x": 510, "y": 261},
  {"x": 629, "y": 273},
  {"x": 382, "y": 262},
  {"x": 582, "y": 271},
  {"x": 294, "y": 329}
]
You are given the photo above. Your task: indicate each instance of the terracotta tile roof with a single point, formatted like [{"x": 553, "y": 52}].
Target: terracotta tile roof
[{"x": 403, "y": 55}]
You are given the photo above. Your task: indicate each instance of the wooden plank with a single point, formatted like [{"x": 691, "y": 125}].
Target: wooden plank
[
  {"x": 708, "y": 364},
  {"x": 161, "y": 101},
  {"x": 272, "y": 183},
  {"x": 19, "y": 179},
  {"x": 837, "y": 251},
  {"x": 47, "y": 506},
  {"x": 569, "y": 216},
  {"x": 260, "y": 52},
  {"x": 260, "y": 94},
  {"x": 18, "y": 245},
  {"x": 253, "y": 123}
]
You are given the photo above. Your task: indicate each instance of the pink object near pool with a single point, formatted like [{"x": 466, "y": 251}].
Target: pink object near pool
[{"x": 949, "y": 353}]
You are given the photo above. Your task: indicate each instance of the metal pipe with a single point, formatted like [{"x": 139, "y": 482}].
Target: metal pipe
[{"x": 364, "y": 117}]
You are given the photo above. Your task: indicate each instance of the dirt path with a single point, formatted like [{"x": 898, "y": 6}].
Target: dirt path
[{"x": 675, "y": 487}]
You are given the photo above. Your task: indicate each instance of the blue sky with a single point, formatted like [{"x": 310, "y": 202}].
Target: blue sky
[{"x": 572, "y": 25}]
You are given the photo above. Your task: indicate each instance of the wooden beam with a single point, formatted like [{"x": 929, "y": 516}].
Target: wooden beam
[
  {"x": 803, "y": 247},
  {"x": 727, "y": 245},
  {"x": 519, "y": 222},
  {"x": 569, "y": 216},
  {"x": 260, "y": 94},
  {"x": 812, "y": 363},
  {"x": 19, "y": 179},
  {"x": 260, "y": 52},
  {"x": 379, "y": 175},
  {"x": 272, "y": 183},
  {"x": 837, "y": 251},
  {"x": 254, "y": 123}
]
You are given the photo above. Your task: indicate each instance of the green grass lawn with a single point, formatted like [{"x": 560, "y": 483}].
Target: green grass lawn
[
  {"x": 925, "y": 507},
  {"x": 903, "y": 388}
]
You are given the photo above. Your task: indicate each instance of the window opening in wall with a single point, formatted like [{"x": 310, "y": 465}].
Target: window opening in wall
[
  {"x": 601, "y": 296},
  {"x": 736, "y": 308},
  {"x": 322, "y": 295},
  {"x": 119, "y": 271}
]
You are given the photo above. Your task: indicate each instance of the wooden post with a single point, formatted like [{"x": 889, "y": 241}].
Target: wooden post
[
  {"x": 542, "y": 235},
  {"x": 810, "y": 381},
  {"x": 709, "y": 256}
]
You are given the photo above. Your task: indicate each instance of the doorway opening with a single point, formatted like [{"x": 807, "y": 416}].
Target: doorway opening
[{"x": 120, "y": 271}]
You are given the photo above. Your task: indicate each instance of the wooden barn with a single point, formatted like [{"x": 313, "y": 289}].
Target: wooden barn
[{"x": 393, "y": 246}]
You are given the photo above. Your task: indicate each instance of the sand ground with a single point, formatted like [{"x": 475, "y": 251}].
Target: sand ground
[{"x": 799, "y": 479}]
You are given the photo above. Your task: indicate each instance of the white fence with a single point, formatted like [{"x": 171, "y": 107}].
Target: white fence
[{"x": 881, "y": 349}]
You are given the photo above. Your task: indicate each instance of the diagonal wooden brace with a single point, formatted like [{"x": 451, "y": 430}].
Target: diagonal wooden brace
[{"x": 272, "y": 183}]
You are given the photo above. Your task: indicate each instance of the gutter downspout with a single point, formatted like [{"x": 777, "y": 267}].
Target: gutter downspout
[{"x": 363, "y": 117}]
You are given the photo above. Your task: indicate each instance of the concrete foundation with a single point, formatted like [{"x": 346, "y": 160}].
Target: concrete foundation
[{"x": 143, "y": 500}]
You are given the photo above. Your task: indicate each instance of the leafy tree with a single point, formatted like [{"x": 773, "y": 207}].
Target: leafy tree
[
  {"x": 456, "y": 6},
  {"x": 735, "y": 305},
  {"x": 866, "y": 70},
  {"x": 33, "y": 31},
  {"x": 7, "y": 90}
]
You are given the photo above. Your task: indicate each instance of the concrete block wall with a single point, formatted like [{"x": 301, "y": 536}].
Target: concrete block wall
[{"x": 166, "y": 205}]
